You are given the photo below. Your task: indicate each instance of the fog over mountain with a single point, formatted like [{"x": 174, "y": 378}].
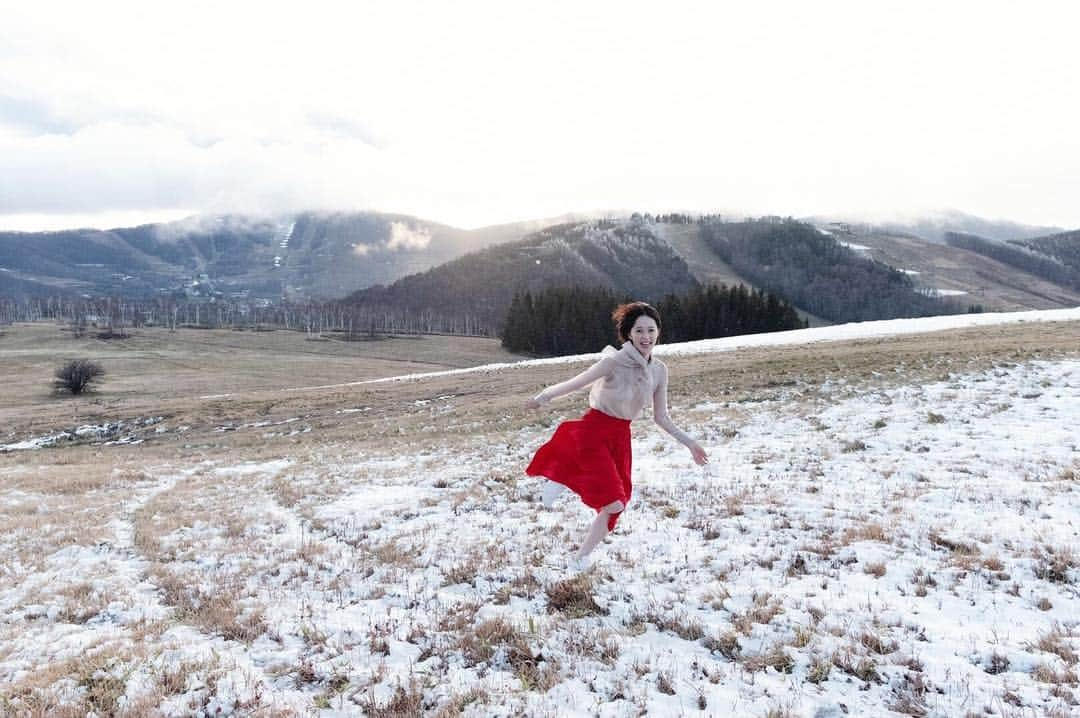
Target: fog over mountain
[{"x": 307, "y": 255}]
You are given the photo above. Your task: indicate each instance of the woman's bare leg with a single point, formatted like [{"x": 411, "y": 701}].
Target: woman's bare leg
[{"x": 599, "y": 529}]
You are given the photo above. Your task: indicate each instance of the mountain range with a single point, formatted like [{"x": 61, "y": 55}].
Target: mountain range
[
  {"x": 310, "y": 255},
  {"x": 412, "y": 264}
]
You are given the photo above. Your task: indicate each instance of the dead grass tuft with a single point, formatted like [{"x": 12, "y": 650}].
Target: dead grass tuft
[
  {"x": 727, "y": 645},
  {"x": 80, "y": 602},
  {"x": 1056, "y": 641},
  {"x": 407, "y": 702},
  {"x": 1045, "y": 673},
  {"x": 496, "y": 640},
  {"x": 875, "y": 569},
  {"x": 958, "y": 548},
  {"x": 764, "y": 610},
  {"x": 776, "y": 658},
  {"x": 869, "y": 531},
  {"x": 573, "y": 597},
  {"x": 214, "y": 608},
  {"x": 909, "y": 698},
  {"x": 1053, "y": 564},
  {"x": 458, "y": 704},
  {"x": 819, "y": 670},
  {"x": 874, "y": 642},
  {"x": 861, "y": 667},
  {"x": 677, "y": 622}
]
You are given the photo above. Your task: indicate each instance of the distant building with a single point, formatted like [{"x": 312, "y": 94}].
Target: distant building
[{"x": 201, "y": 288}]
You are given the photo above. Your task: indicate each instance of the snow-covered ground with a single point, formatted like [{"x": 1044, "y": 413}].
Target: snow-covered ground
[{"x": 909, "y": 548}]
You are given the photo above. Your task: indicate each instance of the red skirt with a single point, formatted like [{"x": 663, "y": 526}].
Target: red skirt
[{"x": 590, "y": 456}]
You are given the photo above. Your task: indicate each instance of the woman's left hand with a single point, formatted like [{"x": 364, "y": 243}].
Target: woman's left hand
[{"x": 700, "y": 457}]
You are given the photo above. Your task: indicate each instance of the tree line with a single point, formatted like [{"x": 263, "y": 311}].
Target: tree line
[
  {"x": 575, "y": 320},
  {"x": 113, "y": 317},
  {"x": 819, "y": 274},
  {"x": 1055, "y": 258}
]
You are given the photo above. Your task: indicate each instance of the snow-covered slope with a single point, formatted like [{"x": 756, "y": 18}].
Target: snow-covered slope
[{"x": 853, "y": 549}]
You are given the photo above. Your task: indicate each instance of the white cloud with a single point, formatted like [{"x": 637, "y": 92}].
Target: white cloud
[
  {"x": 406, "y": 238},
  {"x": 479, "y": 112}
]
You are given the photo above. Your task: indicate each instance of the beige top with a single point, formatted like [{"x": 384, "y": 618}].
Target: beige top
[{"x": 623, "y": 383}]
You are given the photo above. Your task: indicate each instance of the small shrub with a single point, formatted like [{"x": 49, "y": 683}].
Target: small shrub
[
  {"x": 726, "y": 645},
  {"x": 1045, "y": 673},
  {"x": 819, "y": 670},
  {"x": 998, "y": 663},
  {"x": 573, "y": 597},
  {"x": 1054, "y": 564},
  {"x": 870, "y": 531},
  {"x": 850, "y": 447},
  {"x": 877, "y": 644},
  {"x": 932, "y": 418},
  {"x": 405, "y": 702},
  {"x": 1056, "y": 641},
  {"x": 876, "y": 569},
  {"x": 77, "y": 375},
  {"x": 959, "y": 548},
  {"x": 911, "y": 696},
  {"x": 776, "y": 658},
  {"x": 797, "y": 567}
]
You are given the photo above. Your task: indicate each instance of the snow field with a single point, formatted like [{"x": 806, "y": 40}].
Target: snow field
[{"x": 850, "y": 550}]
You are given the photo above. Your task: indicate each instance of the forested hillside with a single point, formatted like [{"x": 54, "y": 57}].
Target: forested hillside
[
  {"x": 1030, "y": 255},
  {"x": 1064, "y": 247},
  {"x": 478, "y": 288},
  {"x": 819, "y": 274},
  {"x": 577, "y": 320}
]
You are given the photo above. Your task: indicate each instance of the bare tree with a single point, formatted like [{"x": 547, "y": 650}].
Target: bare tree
[{"x": 77, "y": 375}]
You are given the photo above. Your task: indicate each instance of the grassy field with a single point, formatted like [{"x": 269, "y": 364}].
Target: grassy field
[{"x": 298, "y": 542}]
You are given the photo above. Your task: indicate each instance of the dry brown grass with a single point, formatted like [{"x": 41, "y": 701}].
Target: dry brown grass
[
  {"x": 672, "y": 621},
  {"x": 1057, "y": 641},
  {"x": 853, "y": 664},
  {"x": 1045, "y": 673},
  {"x": 869, "y": 531},
  {"x": 1054, "y": 563},
  {"x": 213, "y": 606},
  {"x": 875, "y": 569},
  {"x": 79, "y": 513},
  {"x": 573, "y": 597},
  {"x": 958, "y": 548},
  {"x": 458, "y": 704},
  {"x": 775, "y": 657},
  {"x": 764, "y": 610},
  {"x": 100, "y": 672},
  {"x": 727, "y": 645},
  {"x": 32, "y": 531},
  {"x": 497, "y": 638},
  {"x": 80, "y": 602}
]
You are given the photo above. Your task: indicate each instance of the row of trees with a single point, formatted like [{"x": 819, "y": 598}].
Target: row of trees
[
  {"x": 113, "y": 316},
  {"x": 1038, "y": 257},
  {"x": 574, "y": 320},
  {"x": 820, "y": 275}
]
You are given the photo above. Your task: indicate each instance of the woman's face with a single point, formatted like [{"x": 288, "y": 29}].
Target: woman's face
[{"x": 644, "y": 335}]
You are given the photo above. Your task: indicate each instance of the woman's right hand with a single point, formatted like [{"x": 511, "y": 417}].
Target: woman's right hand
[{"x": 532, "y": 404}]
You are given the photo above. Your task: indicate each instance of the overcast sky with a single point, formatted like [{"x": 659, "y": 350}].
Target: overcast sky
[{"x": 474, "y": 113}]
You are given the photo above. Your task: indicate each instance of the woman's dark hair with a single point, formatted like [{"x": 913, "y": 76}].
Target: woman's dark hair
[{"x": 625, "y": 315}]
